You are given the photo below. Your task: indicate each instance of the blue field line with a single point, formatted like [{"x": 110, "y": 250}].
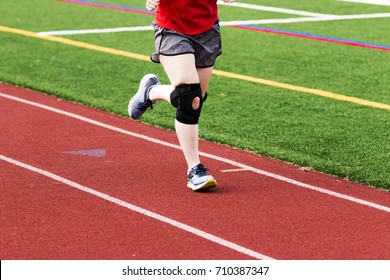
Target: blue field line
[{"x": 303, "y": 35}]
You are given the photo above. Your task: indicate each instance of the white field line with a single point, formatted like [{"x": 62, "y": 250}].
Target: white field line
[
  {"x": 211, "y": 156},
  {"x": 142, "y": 28},
  {"x": 142, "y": 211},
  {"x": 371, "y": 2},
  {"x": 94, "y": 31},
  {"x": 271, "y": 9},
  {"x": 222, "y": 23},
  {"x": 305, "y": 19}
]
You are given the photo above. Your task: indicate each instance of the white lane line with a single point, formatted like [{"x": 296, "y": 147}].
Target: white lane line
[
  {"x": 370, "y": 2},
  {"x": 214, "y": 157},
  {"x": 233, "y": 170},
  {"x": 271, "y": 9},
  {"x": 140, "y": 210}
]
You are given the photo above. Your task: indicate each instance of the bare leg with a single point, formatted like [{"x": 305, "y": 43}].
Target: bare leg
[
  {"x": 188, "y": 134},
  {"x": 204, "y": 77},
  {"x": 181, "y": 70}
]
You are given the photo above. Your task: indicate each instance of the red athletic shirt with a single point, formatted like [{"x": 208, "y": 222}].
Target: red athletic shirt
[{"x": 189, "y": 17}]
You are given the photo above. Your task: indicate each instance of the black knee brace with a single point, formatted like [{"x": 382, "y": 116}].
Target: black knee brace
[{"x": 182, "y": 97}]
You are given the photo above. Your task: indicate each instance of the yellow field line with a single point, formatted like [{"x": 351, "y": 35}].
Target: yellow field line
[
  {"x": 75, "y": 43},
  {"x": 230, "y": 75},
  {"x": 303, "y": 89}
]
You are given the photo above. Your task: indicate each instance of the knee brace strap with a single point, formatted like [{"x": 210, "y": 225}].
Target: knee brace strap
[{"x": 182, "y": 97}]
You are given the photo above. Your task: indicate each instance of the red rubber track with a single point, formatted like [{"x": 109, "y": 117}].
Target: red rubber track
[{"x": 42, "y": 218}]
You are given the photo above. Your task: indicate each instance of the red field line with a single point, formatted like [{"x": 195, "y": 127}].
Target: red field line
[
  {"x": 266, "y": 215},
  {"x": 262, "y": 29}
]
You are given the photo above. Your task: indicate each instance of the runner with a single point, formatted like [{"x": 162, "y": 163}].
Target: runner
[{"x": 188, "y": 41}]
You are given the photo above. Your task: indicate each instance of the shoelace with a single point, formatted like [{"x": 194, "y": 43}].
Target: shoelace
[
  {"x": 145, "y": 105},
  {"x": 198, "y": 170}
]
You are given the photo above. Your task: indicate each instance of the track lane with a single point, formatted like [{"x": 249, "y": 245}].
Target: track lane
[
  {"x": 44, "y": 219},
  {"x": 263, "y": 214}
]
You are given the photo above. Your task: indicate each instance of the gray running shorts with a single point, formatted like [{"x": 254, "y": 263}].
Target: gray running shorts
[{"x": 205, "y": 46}]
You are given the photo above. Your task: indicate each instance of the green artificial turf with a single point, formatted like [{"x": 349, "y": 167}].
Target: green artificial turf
[{"x": 332, "y": 136}]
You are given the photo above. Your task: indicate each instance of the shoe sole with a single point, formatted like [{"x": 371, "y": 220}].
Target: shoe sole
[
  {"x": 209, "y": 184},
  {"x": 140, "y": 89}
]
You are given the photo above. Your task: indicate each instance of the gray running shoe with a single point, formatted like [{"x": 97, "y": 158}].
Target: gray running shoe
[
  {"x": 140, "y": 101},
  {"x": 199, "y": 180}
]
